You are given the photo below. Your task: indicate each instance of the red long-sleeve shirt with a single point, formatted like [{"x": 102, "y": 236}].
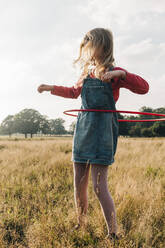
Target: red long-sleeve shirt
[{"x": 132, "y": 82}]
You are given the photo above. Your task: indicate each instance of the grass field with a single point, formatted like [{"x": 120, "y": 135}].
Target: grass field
[{"x": 37, "y": 207}]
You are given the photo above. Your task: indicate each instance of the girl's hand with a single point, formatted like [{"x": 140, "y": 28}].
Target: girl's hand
[
  {"x": 112, "y": 74},
  {"x": 44, "y": 87}
]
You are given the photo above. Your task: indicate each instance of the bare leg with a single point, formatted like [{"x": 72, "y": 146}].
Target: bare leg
[
  {"x": 81, "y": 175},
  {"x": 99, "y": 178}
]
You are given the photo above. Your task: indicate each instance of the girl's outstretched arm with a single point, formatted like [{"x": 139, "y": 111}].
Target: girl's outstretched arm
[{"x": 68, "y": 92}]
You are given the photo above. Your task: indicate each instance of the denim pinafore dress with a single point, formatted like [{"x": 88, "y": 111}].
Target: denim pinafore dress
[{"x": 96, "y": 133}]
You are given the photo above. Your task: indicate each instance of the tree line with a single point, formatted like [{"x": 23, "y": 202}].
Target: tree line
[
  {"x": 143, "y": 129},
  {"x": 30, "y": 121}
]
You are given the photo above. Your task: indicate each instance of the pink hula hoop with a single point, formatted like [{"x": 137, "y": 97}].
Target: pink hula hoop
[{"x": 118, "y": 111}]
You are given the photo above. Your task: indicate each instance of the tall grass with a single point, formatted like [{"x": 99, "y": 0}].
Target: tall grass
[{"x": 37, "y": 208}]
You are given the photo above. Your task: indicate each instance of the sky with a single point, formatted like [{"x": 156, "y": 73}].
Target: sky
[{"x": 40, "y": 39}]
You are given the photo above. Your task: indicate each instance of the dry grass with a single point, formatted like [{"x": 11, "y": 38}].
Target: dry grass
[{"x": 37, "y": 202}]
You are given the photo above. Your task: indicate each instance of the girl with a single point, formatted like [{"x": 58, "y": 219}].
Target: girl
[{"x": 96, "y": 133}]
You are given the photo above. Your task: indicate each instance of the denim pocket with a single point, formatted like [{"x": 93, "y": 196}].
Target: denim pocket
[{"x": 95, "y": 97}]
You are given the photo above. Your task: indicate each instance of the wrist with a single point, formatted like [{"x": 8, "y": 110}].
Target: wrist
[{"x": 50, "y": 87}]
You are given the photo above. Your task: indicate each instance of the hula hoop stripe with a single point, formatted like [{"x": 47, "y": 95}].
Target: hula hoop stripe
[{"x": 119, "y": 111}]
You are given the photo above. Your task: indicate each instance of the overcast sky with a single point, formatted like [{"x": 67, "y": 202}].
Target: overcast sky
[{"x": 39, "y": 39}]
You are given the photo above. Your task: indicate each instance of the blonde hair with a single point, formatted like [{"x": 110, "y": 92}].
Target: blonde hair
[{"x": 96, "y": 49}]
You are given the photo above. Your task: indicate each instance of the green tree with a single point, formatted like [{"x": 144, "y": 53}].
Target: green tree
[
  {"x": 135, "y": 131},
  {"x": 148, "y": 110},
  {"x": 7, "y": 125},
  {"x": 44, "y": 126},
  {"x": 147, "y": 132},
  {"x": 159, "y": 111},
  {"x": 123, "y": 126},
  {"x": 159, "y": 129},
  {"x": 57, "y": 126},
  {"x": 28, "y": 121}
]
